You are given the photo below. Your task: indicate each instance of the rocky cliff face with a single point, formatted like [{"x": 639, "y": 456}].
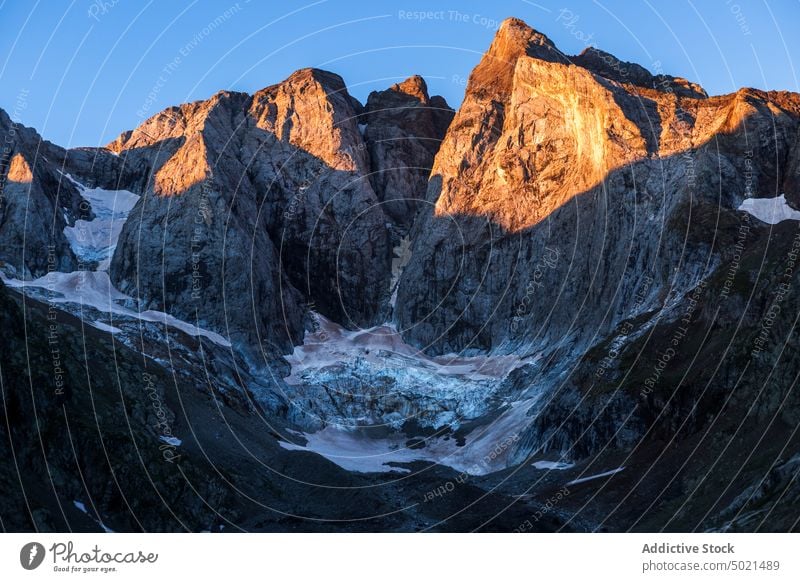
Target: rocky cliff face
[
  {"x": 259, "y": 205},
  {"x": 403, "y": 129},
  {"x": 36, "y": 203},
  {"x": 560, "y": 194}
]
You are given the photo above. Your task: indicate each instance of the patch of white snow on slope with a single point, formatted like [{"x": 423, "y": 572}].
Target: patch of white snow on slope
[
  {"x": 96, "y": 239},
  {"x": 105, "y": 327},
  {"x": 487, "y": 448},
  {"x": 598, "y": 476},
  {"x": 94, "y": 289},
  {"x": 770, "y": 210},
  {"x": 553, "y": 465}
]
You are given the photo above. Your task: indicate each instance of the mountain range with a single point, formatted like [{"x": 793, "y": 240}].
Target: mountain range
[{"x": 570, "y": 305}]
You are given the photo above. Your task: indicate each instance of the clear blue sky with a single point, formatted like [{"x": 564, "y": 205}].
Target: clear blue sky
[{"x": 83, "y": 71}]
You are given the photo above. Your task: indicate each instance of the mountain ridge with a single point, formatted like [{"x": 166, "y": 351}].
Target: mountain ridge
[{"x": 537, "y": 252}]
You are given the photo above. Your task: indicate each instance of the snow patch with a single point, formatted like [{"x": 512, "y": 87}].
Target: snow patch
[
  {"x": 354, "y": 453},
  {"x": 171, "y": 440},
  {"x": 598, "y": 476},
  {"x": 105, "y": 327},
  {"x": 553, "y": 465},
  {"x": 770, "y": 210},
  {"x": 96, "y": 239},
  {"x": 94, "y": 289},
  {"x": 487, "y": 449}
]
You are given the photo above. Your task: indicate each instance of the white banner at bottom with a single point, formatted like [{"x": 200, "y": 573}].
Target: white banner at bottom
[{"x": 399, "y": 557}]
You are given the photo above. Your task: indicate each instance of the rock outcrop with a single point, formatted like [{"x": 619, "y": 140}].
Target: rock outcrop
[
  {"x": 610, "y": 67},
  {"x": 403, "y": 128},
  {"x": 37, "y": 201}
]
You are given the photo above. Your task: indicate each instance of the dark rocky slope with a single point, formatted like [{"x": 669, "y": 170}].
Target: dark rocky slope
[{"x": 82, "y": 416}]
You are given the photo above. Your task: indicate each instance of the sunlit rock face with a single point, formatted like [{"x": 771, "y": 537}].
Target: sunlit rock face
[
  {"x": 613, "y": 170},
  {"x": 258, "y": 206}
]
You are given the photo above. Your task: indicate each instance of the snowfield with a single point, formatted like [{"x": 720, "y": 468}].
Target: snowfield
[
  {"x": 553, "y": 465},
  {"x": 349, "y": 380},
  {"x": 95, "y": 240},
  {"x": 94, "y": 289},
  {"x": 770, "y": 210},
  {"x": 598, "y": 476},
  {"x": 487, "y": 449}
]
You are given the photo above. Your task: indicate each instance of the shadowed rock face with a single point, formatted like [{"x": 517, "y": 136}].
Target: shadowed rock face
[
  {"x": 404, "y": 128},
  {"x": 610, "y": 67},
  {"x": 37, "y": 202}
]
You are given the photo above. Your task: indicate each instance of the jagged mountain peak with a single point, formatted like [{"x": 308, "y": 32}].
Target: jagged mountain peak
[
  {"x": 403, "y": 128},
  {"x": 415, "y": 86},
  {"x": 327, "y": 79},
  {"x": 514, "y": 39},
  {"x": 607, "y": 65},
  {"x": 300, "y": 178}
]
